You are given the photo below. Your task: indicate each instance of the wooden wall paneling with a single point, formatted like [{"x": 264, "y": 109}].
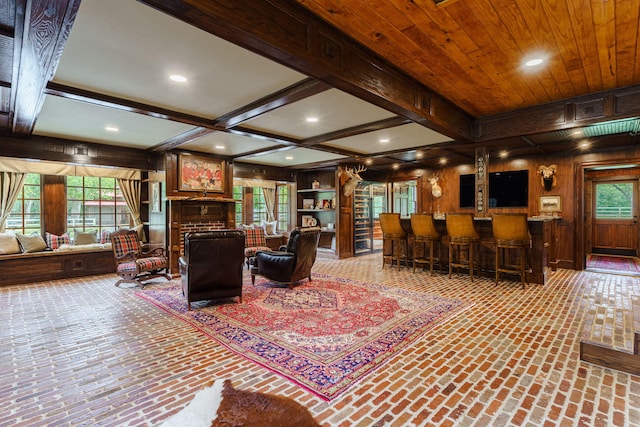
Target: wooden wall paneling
[
  {"x": 62, "y": 150},
  {"x": 252, "y": 171},
  {"x": 54, "y": 204}
]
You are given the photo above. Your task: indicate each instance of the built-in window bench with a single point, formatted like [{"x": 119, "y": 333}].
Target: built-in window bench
[{"x": 51, "y": 265}]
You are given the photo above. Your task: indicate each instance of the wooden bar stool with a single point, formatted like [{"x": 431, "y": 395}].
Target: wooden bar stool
[
  {"x": 425, "y": 233},
  {"x": 462, "y": 235},
  {"x": 393, "y": 232},
  {"x": 511, "y": 231}
]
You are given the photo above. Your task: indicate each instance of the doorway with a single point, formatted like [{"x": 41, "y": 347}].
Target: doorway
[{"x": 615, "y": 217}]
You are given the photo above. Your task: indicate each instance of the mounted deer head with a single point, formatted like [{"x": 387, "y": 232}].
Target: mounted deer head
[
  {"x": 548, "y": 176},
  {"x": 436, "y": 190},
  {"x": 352, "y": 179}
]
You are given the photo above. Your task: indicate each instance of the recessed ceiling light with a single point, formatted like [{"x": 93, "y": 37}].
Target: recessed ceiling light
[
  {"x": 533, "y": 62},
  {"x": 178, "y": 78},
  {"x": 368, "y": 161},
  {"x": 383, "y": 140},
  {"x": 219, "y": 147},
  {"x": 312, "y": 119},
  {"x": 289, "y": 157},
  {"x": 419, "y": 154},
  {"x": 396, "y": 166},
  {"x": 503, "y": 154},
  {"x": 112, "y": 129},
  {"x": 443, "y": 161},
  {"x": 584, "y": 144}
]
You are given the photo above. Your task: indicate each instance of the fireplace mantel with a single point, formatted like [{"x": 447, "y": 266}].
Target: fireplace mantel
[{"x": 189, "y": 214}]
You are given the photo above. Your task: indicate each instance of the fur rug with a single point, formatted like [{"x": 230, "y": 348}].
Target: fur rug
[{"x": 219, "y": 404}]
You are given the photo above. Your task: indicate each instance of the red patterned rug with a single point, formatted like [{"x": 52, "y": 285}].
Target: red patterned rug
[
  {"x": 324, "y": 335},
  {"x": 617, "y": 263}
]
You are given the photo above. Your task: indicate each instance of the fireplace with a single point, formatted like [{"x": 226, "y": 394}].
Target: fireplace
[{"x": 195, "y": 214}]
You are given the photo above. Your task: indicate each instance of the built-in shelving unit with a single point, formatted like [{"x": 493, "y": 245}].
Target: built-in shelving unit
[{"x": 317, "y": 205}]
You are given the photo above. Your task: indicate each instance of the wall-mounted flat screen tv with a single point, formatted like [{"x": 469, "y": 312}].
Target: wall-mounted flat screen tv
[
  {"x": 468, "y": 191},
  {"x": 509, "y": 189}
]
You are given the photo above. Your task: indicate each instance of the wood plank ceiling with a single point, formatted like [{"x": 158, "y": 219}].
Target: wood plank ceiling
[
  {"x": 589, "y": 46},
  {"x": 455, "y": 67}
]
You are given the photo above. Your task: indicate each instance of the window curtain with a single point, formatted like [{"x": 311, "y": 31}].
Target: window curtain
[
  {"x": 270, "y": 202},
  {"x": 10, "y": 184},
  {"x": 131, "y": 192}
]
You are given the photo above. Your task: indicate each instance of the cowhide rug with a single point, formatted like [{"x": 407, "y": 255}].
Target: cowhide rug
[{"x": 219, "y": 404}]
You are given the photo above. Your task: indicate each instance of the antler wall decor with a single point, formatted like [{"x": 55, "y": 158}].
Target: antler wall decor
[{"x": 353, "y": 177}]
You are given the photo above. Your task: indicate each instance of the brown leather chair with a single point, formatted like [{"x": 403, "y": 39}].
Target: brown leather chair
[
  {"x": 511, "y": 232},
  {"x": 211, "y": 267},
  {"x": 425, "y": 235},
  {"x": 462, "y": 235},
  {"x": 291, "y": 264},
  {"x": 394, "y": 239}
]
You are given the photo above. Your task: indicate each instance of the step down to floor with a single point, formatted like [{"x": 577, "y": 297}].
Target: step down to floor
[{"x": 611, "y": 337}]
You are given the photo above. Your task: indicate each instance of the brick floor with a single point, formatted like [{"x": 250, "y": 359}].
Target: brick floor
[{"x": 84, "y": 353}]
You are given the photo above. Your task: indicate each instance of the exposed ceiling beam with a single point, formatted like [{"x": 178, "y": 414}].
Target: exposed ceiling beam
[
  {"x": 570, "y": 113},
  {"x": 40, "y": 35},
  {"x": 356, "y": 130},
  {"x": 291, "y": 94},
  {"x": 183, "y": 138},
  {"x": 103, "y": 100},
  {"x": 289, "y": 34}
]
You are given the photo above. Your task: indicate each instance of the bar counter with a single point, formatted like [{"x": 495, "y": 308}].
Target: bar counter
[{"x": 543, "y": 245}]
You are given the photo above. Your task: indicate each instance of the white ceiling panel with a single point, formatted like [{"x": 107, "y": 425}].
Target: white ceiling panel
[
  {"x": 334, "y": 110},
  {"x": 399, "y": 137},
  {"x": 126, "y": 49},
  {"x": 299, "y": 156},
  {"x": 65, "y": 118},
  {"x": 233, "y": 144}
]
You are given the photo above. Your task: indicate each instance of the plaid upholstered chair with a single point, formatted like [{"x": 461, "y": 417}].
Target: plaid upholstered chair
[
  {"x": 255, "y": 240},
  {"x": 133, "y": 265}
]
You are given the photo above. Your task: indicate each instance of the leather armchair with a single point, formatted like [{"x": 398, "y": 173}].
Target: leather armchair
[
  {"x": 293, "y": 263},
  {"x": 212, "y": 265}
]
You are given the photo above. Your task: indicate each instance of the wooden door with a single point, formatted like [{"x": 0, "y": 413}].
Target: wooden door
[{"x": 615, "y": 217}]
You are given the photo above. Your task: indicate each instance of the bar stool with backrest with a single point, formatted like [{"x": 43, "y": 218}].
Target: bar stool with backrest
[
  {"x": 511, "y": 231},
  {"x": 462, "y": 236},
  {"x": 425, "y": 235},
  {"x": 394, "y": 238}
]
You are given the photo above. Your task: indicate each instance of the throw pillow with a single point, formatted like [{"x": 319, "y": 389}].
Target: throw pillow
[
  {"x": 54, "y": 242},
  {"x": 270, "y": 228},
  {"x": 85, "y": 237},
  {"x": 9, "y": 244},
  {"x": 105, "y": 237},
  {"x": 31, "y": 242}
]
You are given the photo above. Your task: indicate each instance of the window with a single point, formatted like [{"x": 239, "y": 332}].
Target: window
[
  {"x": 259, "y": 207},
  {"x": 237, "y": 195},
  {"x": 405, "y": 197},
  {"x": 282, "y": 209},
  {"x": 614, "y": 200},
  {"x": 26, "y": 215},
  {"x": 95, "y": 204}
]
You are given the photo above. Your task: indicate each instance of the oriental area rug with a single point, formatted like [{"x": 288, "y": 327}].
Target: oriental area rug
[
  {"x": 324, "y": 335},
  {"x": 616, "y": 263}
]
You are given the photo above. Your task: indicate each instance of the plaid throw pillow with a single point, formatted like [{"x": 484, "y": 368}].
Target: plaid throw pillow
[
  {"x": 105, "y": 237},
  {"x": 54, "y": 242}
]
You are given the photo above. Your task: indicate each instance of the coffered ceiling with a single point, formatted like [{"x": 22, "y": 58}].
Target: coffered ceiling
[{"x": 406, "y": 83}]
